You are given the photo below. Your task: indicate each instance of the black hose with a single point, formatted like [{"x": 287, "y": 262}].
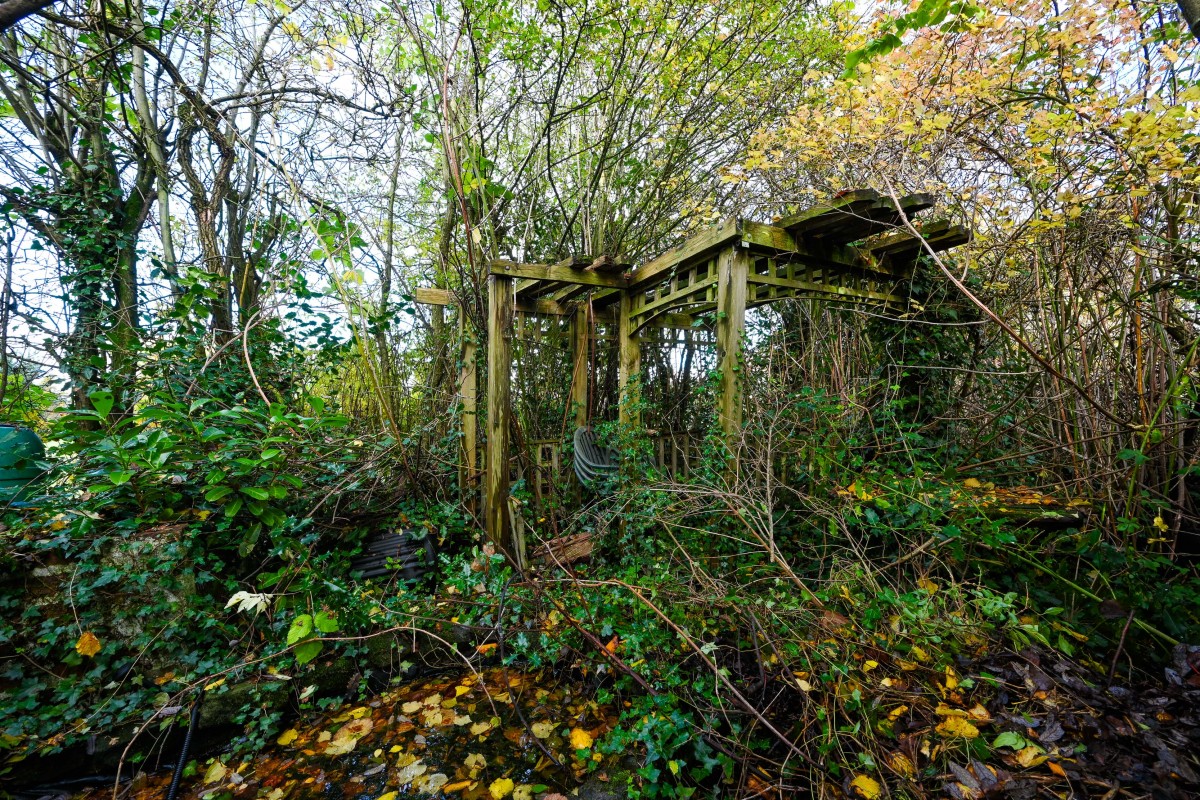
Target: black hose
[{"x": 173, "y": 789}]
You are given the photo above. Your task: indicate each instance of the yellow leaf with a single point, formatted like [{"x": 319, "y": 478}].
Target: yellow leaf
[
  {"x": 919, "y": 654},
  {"x": 215, "y": 772},
  {"x": 951, "y": 679},
  {"x": 673, "y": 766},
  {"x": 523, "y": 792},
  {"x": 866, "y": 787},
  {"x": 88, "y": 645},
  {"x": 957, "y": 728},
  {"x": 869, "y": 665},
  {"x": 217, "y": 684},
  {"x": 457, "y": 786},
  {"x": 1031, "y": 756},
  {"x": 484, "y": 649},
  {"x": 1161, "y": 524},
  {"x": 972, "y": 483},
  {"x": 459, "y": 691},
  {"x": 387, "y": 796},
  {"x": 411, "y": 707},
  {"x": 903, "y": 765},
  {"x": 896, "y": 712},
  {"x": 979, "y": 713},
  {"x": 289, "y": 736},
  {"x": 542, "y": 730},
  {"x": 928, "y": 585},
  {"x": 501, "y": 788},
  {"x": 580, "y": 739}
]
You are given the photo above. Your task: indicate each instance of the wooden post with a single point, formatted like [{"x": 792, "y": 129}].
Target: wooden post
[
  {"x": 468, "y": 467},
  {"x": 630, "y": 363},
  {"x": 501, "y": 300},
  {"x": 733, "y": 269},
  {"x": 580, "y": 364}
]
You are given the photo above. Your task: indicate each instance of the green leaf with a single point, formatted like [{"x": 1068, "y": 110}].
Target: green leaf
[
  {"x": 255, "y": 492},
  {"x": 326, "y": 622},
  {"x": 215, "y": 493},
  {"x": 1010, "y": 739},
  {"x": 233, "y": 507},
  {"x": 119, "y": 477},
  {"x": 102, "y": 401},
  {"x": 302, "y": 628},
  {"x": 307, "y": 651}
]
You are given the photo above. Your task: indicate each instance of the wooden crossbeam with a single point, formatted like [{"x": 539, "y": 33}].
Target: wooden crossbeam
[
  {"x": 903, "y": 246},
  {"x": 555, "y": 272},
  {"x": 854, "y": 216}
]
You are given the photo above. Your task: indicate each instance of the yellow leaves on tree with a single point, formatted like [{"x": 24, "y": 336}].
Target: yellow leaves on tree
[{"x": 88, "y": 645}]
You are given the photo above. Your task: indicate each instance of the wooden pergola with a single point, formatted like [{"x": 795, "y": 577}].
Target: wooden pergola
[{"x": 854, "y": 249}]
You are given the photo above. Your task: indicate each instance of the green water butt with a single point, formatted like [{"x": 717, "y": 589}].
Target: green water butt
[{"x": 20, "y": 450}]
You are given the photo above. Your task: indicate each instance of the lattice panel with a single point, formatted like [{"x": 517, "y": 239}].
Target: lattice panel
[
  {"x": 774, "y": 278},
  {"x": 691, "y": 289}
]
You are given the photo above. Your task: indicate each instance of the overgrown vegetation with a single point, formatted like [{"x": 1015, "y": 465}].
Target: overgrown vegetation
[{"x": 945, "y": 538}]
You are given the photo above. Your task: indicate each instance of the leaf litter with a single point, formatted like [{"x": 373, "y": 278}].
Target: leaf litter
[{"x": 446, "y": 736}]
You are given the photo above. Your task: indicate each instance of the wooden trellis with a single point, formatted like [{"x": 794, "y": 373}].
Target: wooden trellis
[{"x": 852, "y": 250}]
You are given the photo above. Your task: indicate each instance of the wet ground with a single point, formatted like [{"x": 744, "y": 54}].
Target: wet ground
[{"x": 498, "y": 734}]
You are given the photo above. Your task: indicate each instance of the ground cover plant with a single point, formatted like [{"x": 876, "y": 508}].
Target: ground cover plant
[{"x": 948, "y": 547}]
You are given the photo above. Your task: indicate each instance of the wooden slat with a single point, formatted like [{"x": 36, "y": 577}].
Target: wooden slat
[
  {"x": 701, "y": 244},
  {"x": 848, "y": 203},
  {"x": 554, "y": 272},
  {"x": 430, "y": 296}
]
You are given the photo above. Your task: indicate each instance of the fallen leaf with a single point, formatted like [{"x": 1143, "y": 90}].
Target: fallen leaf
[
  {"x": 289, "y": 736},
  {"x": 580, "y": 739},
  {"x": 215, "y": 772},
  {"x": 387, "y": 796},
  {"x": 458, "y": 786},
  {"x": 1056, "y": 769},
  {"x": 523, "y": 792},
  {"x": 484, "y": 649},
  {"x": 972, "y": 483},
  {"x": 411, "y": 772},
  {"x": 542, "y": 730},
  {"x": 865, "y": 787},
  {"x": 957, "y": 728},
  {"x": 903, "y": 765},
  {"x": 1031, "y": 756},
  {"x": 501, "y": 788}
]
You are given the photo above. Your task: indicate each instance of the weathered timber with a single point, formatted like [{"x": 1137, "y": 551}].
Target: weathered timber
[
  {"x": 427, "y": 295},
  {"x": 468, "y": 469},
  {"x": 609, "y": 265},
  {"x": 629, "y": 364},
  {"x": 733, "y": 266},
  {"x": 580, "y": 363},
  {"x": 701, "y": 244},
  {"x": 554, "y": 272},
  {"x": 846, "y": 203},
  {"x": 854, "y": 217},
  {"x": 500, "y": 330},
  {"x": 903, "y": 246}
]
